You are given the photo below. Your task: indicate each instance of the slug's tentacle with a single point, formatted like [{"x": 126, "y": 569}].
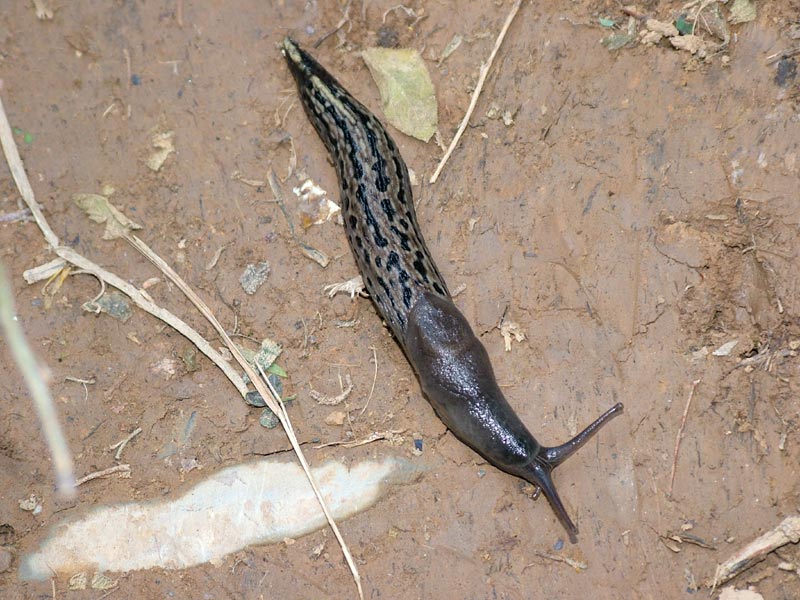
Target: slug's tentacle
[
  {"x": 409, "y": 292},
  {"x": 538, "y": 471}
]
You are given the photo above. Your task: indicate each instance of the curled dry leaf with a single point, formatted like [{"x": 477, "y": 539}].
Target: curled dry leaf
[{"x": 100, "y": 210}]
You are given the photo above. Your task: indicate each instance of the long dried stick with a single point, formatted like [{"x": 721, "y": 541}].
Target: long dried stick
[
  {"x": 787, "y": 531},
  {"x": 42, "y": 400},
  {"x": 481, "y": 80},
  {"x": 679, "y": 437}
]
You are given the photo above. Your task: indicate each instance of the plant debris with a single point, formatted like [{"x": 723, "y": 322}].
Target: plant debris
[
  {"x": 100, "y": 210},
  {"x": 112, "y": 303},
  {"x": 254, "y": 276},
  {"x": 407, "y": 93},
  {"x": 315, "y": 206},
  {"x": 163, "y": 144}
]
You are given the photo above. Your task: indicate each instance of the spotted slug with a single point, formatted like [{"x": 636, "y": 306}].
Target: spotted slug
[{"x": 410, "y": 293}]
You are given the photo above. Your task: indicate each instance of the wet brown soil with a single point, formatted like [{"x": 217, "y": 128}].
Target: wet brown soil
[{"x": 640, "y": 212}]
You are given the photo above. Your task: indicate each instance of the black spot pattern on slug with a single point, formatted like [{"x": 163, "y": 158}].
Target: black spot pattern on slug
[
  {"x": 388, "y": 209},
  {"x": 420, "y": 267},
  {"x": 376, "y": 197}
]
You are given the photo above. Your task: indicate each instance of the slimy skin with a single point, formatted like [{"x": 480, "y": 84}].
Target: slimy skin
[{"x": 411, "y": 295}]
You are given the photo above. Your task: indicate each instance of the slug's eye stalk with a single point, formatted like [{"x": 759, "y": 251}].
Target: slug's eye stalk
[{"x": 538, "y": 471}]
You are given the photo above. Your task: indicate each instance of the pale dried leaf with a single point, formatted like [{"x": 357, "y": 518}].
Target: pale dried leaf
[
  {"x": 100, "y": 210},
  {"x": 407, "y": 93}
]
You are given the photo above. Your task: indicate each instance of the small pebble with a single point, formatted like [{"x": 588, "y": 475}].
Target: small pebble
[
  {"x": 268, "y": 419},
  {"x": 255, "y": 399}
]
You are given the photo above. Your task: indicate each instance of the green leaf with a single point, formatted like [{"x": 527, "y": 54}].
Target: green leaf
[
  {"x": 276, "y": 369},
  {"x": 683, "y": 26},
  {"x": 607, "y": 22}
]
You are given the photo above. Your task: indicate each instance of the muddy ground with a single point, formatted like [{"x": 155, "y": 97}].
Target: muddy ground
[{"x": 640, "y": 212}]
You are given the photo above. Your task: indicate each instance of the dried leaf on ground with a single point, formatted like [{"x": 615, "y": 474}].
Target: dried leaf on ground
[
  {"x": 407, "y": 93},
  {"x": 100, "y": 210},
  {"x": 742, "y": 11},
  {"x": 164, "y": 146}
]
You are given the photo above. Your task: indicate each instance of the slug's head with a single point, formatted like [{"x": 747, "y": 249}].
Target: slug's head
[
  {"x": 303, "y": 66},
  {"x": 539, "y": 470}
]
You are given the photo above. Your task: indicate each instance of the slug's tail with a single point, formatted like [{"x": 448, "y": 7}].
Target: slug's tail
[{"x": 539, "y": 470}]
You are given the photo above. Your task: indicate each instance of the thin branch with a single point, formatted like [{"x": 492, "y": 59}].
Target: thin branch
[
  {"x": 120, "y": 446},
  {"x": 787, "y": 531},
  {"x": 374, "y": 379},
  {"x": 40, "y": 394},
  {"x": 679, "y": 437},
  {"x": 481, "y": 80},
  {"x": 124, "y": 469}
]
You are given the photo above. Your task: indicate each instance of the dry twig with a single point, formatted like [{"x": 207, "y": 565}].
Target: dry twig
[
  {"x": 391, "y": 435},
  {"x": 125, "y": 471},
  {"x": 578, "y": 565},
  {"x": 374, "y": 379},
  {"x": 679, "y": 437},
  {"x": 785, "y": 532},
  {"x": 120, "y": 446},
  {"x": 32, "y": 374},
  {"x": 481, "y": 80}
]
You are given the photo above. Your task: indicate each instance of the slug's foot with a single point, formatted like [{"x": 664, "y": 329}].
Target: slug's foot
[{"x": 539, "y": 470}]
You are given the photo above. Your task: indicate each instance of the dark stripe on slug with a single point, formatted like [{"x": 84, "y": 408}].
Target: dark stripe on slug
[
  {"x": 403, "y": 237},
  {"x": 407, "y": 297},
  {"x": 421, "y": 270},
  {"x": 388, "y": 209},
  {"x": 379, "y": 166},
  {"x": 393, "y": 261}
]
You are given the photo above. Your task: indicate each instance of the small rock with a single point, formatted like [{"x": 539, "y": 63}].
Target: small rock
[
  {"x": 651, "y": 37},
  {"x": 253, "y": 277},
  {"x": 726, "y": 348},
  {"x": 268, "y": 419},
  {"x": 690, "y": 43},
  {"x": 336, "y": 418},
  {"x": 786, "y": 72},
  {"x": 665, "y": 29},
  {"x": 29, "y": 504}
]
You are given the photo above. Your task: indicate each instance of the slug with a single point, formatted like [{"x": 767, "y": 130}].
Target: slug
[{"x": 410, "y": 293}]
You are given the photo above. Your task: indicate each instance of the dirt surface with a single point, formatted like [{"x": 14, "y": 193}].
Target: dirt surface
[{"x": 640, "y": 212}]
